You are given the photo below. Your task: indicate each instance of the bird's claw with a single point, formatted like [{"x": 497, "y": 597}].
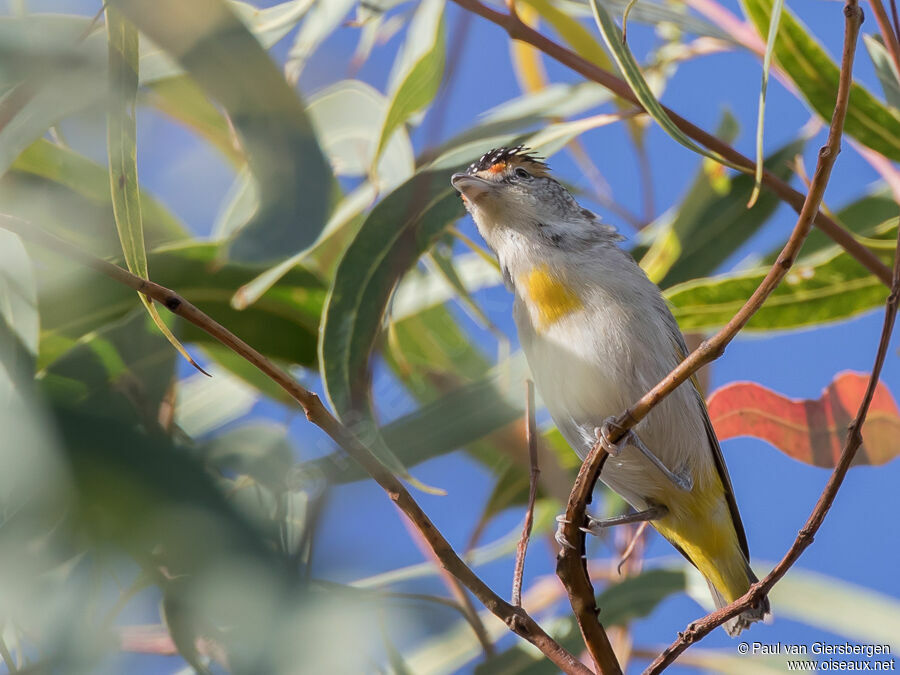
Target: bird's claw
[
  {"x": 602, "y": 433},
  {"x": 560, "y": 536}
]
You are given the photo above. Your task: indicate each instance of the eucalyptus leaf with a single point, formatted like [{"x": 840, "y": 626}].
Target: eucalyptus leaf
[
  {"x": 292, "y": 175},
  {"x": 85, "y": 177},
  {"x": 811, "y": 68},
  {"x": 283, "y": 324},
  {"x": 884, "y": 68},
  {"x": 321, "y": 21},
  {"x": 397, "y": 231},
  {"x": 710, "y": 226},
  {"x": 825, "y": 287},
  {"x": 18, "y": 294},
  {"x": 51, "y": 71},
  {"x": 418, "y": 70},
  {"x": 631, "y": 71},
  {"x": 344, "y": 116}
]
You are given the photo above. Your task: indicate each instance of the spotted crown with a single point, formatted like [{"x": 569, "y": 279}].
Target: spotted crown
[{"x": 519, "y": 152}]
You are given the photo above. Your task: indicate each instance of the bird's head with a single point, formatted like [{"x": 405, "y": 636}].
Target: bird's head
[{"x": 511, "y": 195}]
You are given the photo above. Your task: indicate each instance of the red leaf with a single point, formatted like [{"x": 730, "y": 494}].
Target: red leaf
[{"x": 813, "y": 431}]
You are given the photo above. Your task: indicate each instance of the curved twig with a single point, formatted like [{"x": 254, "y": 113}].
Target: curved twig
[{"x": 518, "y": 620}]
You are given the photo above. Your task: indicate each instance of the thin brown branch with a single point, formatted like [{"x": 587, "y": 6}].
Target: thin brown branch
[
  {"x": 517, "y": 30},
  {"x": 569, "y": 566},
  {"x": 531, "y": 440},
  {"x": 632, "y": 545},
  {"x": 891, "y": 42},
  {"x": 456, "y": 589},
  {"x": 805, "y": 536},
  {"x": 519, "y": 621}
]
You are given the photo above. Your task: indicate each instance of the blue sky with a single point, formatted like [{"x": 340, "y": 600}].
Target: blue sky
[{"x": 361, "y": 531}]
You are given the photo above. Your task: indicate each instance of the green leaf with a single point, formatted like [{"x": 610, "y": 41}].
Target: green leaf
[
  {"x": 458, "y": 419},
  {"x": 824, "y": 287},
  {"x": 397, "y": 231},
  {"x": 631, "y": 71},
  {"x": 292, "y": 175},
  {"x": 810, "y": 68},
  {"x": 421, "y": 289},
  {"x": 343, "y": 116},
  {"x": 206, "y": 404},
  {"x": 283, "y": 325},
  {"x": 884, "y": 68},
  {"x": 124, "y": 369},
  {"x": 710, "y": 226},
  {"x": 121, "y": 141},
  {"x": 322, "y": 20},
  {"x": 774, "y": 20},
  {"x": 51, "y": 72},
  {"x": 420, "y": 65},
  {"x": 87, "y": 178},
  {"x": 861, "y": 217},
  {"x": 18, "y": 294}
]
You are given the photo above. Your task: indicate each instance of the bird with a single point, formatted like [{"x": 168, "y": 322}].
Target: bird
[{"x": 597, "y": 335}]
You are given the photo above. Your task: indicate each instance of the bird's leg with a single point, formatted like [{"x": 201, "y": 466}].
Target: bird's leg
[
  {"x": 595, "y": 526},
  {"x": 682, "y": 480}
]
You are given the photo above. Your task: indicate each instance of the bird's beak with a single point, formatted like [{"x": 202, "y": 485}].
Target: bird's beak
[{"x": 470, "y": 187}]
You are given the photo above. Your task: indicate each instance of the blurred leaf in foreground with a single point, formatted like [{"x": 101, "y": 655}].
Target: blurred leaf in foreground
[
  {"x": 292, "y": 176},
  {"x": 282, "y": 324}
]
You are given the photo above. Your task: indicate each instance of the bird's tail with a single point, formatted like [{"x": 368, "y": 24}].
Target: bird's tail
[
  {"x": 702, "y": 529},
  {"x": 743, "y": 620}
]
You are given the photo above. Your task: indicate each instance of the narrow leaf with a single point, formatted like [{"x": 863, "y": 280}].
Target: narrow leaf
[
  {"x": 397, "y": 231},
  {"x": 630, "y": 70},
  {"x": 291, "y": 173},
  {"x": 825, "y": 287},
  {"x": 420, "y": 66},
  {"x": 816, "y": 76},
  {"x": 710, "y": 225},
  {"x": 774, "y": 21},
  {"x": 884, "y": 68},
  {"x": 121, "y": 142}
]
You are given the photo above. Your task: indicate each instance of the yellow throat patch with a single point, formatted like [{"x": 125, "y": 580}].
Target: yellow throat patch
[{"x": 550, "y": 298}]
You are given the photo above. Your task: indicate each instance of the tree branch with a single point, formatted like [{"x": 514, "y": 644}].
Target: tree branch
[
  {"x": 517, "y": 30},
  {"x": 569, "y": 566},
  {"x": 516, "y": 618},
  {"x": 531, "y": 440},
  {"x": 805, "y": 536}
]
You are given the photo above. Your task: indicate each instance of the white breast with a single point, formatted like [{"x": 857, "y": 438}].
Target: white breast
[{"x": 596, "y": 362}]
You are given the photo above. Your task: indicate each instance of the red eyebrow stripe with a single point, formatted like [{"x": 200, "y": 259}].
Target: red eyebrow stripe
[{"x": 498, "y": 167}]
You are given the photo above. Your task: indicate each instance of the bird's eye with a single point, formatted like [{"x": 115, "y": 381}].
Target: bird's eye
[{"x": 522, "y": 173}]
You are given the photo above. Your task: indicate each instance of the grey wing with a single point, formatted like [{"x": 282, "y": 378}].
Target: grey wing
[{"x": 715, "y": 448}]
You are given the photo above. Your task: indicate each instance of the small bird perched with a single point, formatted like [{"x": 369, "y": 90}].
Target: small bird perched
[{"x": 598, "y": 335}]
